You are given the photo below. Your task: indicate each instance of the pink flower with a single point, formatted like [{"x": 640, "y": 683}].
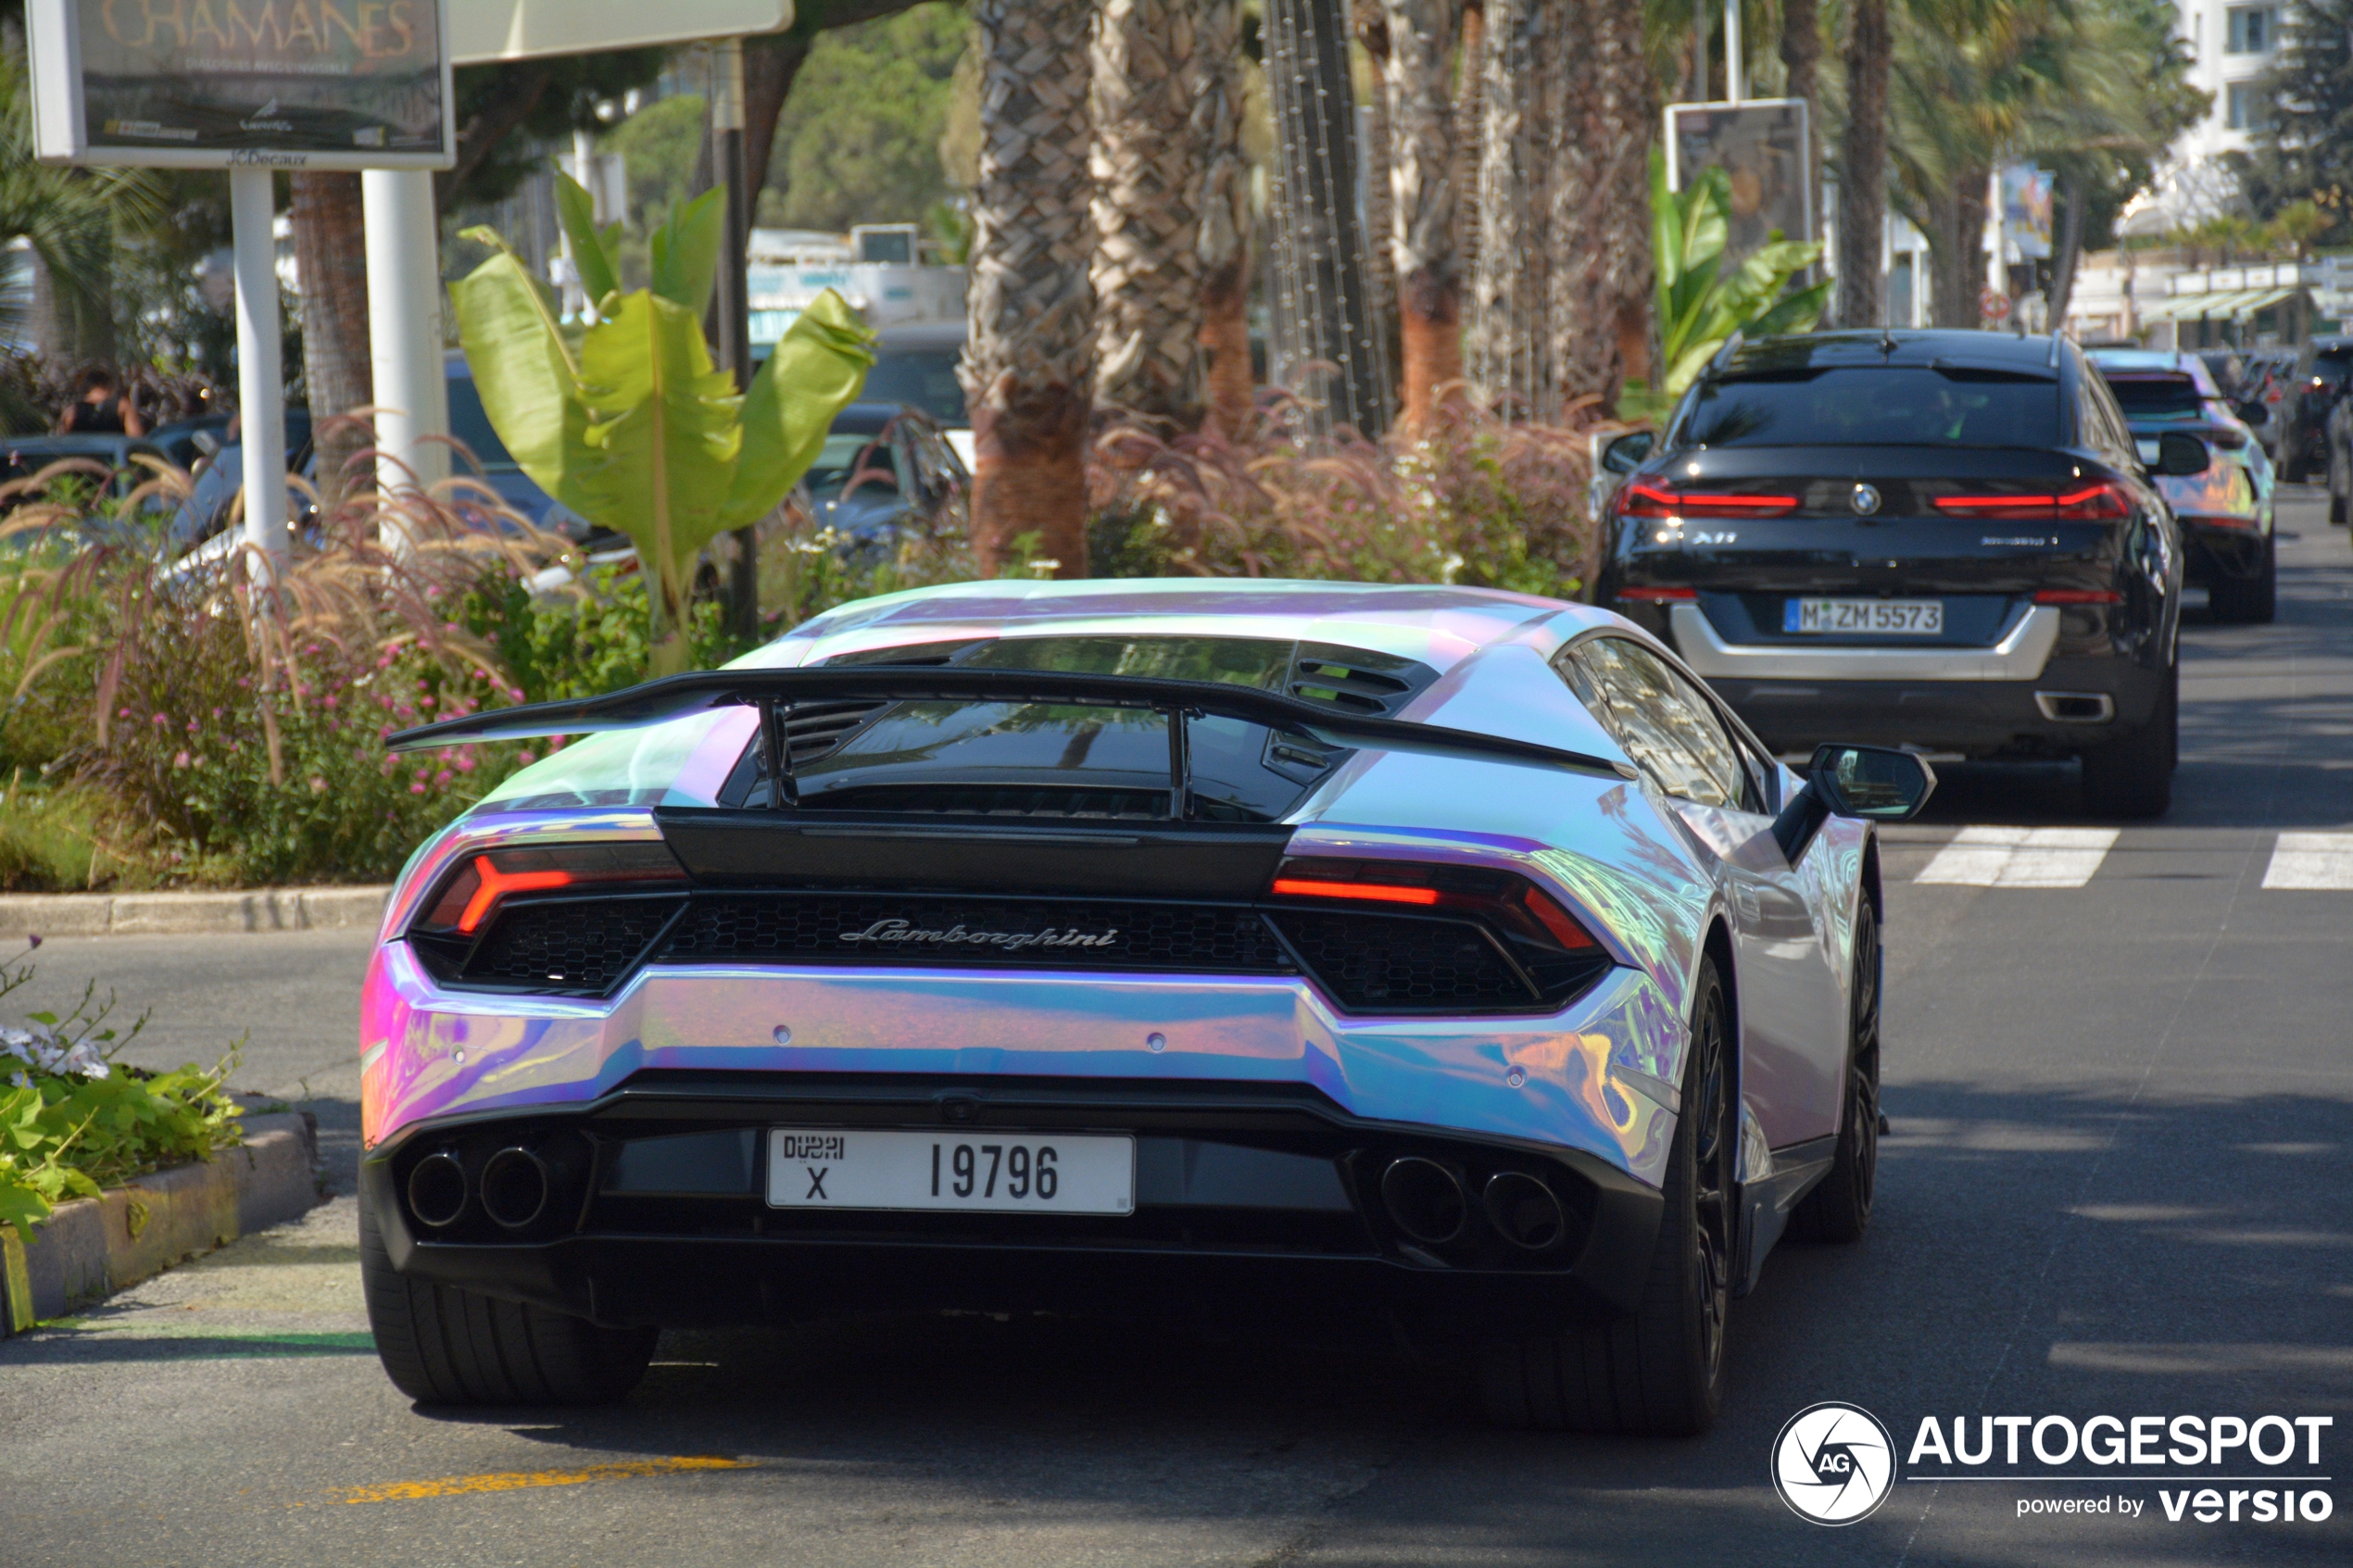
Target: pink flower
[
  {"x": 331, "y": 701},
  {"x": 425, "y": 701},
  {"x": 416, "y": 789},
  {"x": 192, "y": 726},
  {"x": 181, "y": 760},
  {"x": 318, "y": 786},
  {"x": 216, "y": 713},
  {"x": 465, "y": 764},
  {"x": 525, "y": 756},
  {"x": 124, "y": 714},
  {"x": 442, "y": 779},
  {"x": 160, "y": 721}
]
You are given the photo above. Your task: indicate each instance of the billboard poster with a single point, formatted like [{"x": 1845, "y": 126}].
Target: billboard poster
[
  {"x": 2026, "y": 210},
  {"x": 219, "y": 83},
  {"x": 1763, "y": 149}
]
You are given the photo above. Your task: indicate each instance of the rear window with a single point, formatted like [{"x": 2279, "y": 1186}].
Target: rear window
[
  {"x": 2158, "y": 397},
  {"x": 867, "y": 458},
  {"x": 1028, "y": 759},
  {"x": 2331, "y": 365},
  {"x": 924, "y": 377},
  {"x": 1876, "y": 406}
]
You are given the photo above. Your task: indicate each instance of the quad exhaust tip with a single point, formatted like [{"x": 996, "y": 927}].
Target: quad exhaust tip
[
  {"x": 1523, "y": 1212},
  {"x": 1424, "y": 1199},
  {"x": 437, "y": 1190},
  {"x": 514, "y": 1187}
]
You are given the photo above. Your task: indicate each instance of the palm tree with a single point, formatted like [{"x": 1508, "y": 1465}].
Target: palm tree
[
  {"x": 1225, "y": 217},
  {"x": 1862, "y": 159},
  {"x": 1148, "y": 161},
  {"x": 1505, "y": 344},
  {"x": 69, "y": 217},
  {"x": 1420, "y": 36},
  {"x": 1029, "y": 351},
  {"x": 330, "y": 261},
  {"x": 1601, "y": 221}
]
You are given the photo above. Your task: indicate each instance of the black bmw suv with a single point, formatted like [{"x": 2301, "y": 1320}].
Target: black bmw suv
[{"x": 1944, "y": 540}]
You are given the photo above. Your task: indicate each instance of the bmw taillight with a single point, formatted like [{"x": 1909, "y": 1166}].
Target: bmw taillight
[
  {"x": 1640, "y": 498},
  {"x": 469, "y": 897},
  {"x": 2090, "y": 503}
]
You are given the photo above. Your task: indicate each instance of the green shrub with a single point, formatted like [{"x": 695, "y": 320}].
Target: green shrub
[{"x": 73, "y": 1120}]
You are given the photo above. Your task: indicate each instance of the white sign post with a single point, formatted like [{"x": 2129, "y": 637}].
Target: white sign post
[{"x": 324, "y": 86}]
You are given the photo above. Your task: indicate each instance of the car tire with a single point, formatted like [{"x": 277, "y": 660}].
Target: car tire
[
  {"x": 443, "y": 1346},
  {"x": 2132, "y": 779},
  {"x": 1659, "y": 1373},
  {"x": 2248, "y": 601},
  {"x": 1839, "y": 1209}
]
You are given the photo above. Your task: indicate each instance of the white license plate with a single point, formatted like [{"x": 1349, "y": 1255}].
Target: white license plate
[
  {"x": 992, "y": 1173},
  {"x": 1902, "y": 617}
]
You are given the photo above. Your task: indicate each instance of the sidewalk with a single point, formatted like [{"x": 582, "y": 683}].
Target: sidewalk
[{"x": 148, "y": 914}]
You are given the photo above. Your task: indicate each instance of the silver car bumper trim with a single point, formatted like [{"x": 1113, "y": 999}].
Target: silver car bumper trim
[{"x": 2018, "y": 657}]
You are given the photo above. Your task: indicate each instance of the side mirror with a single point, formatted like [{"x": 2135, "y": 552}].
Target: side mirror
[
  {"x": 2181, "y": 455},
  {"x": 1875, "y": 783},
  {"x": 1628, "y": 452}
]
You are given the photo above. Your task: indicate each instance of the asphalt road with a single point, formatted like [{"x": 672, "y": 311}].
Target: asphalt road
[{"x": 2121, "y": 1099}]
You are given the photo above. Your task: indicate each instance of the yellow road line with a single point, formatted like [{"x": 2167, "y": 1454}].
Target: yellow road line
[{"x": 517, "y": 1480}]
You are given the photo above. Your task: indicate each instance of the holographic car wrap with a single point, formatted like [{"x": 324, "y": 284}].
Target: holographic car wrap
[{"x": 1651, "y": 878}]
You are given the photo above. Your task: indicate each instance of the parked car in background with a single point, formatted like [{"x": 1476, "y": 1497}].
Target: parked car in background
[
  {"x": 2227, "y": 368},
  {"x": 916, "y": 364},
  {"x": 2318, "y": 384},
  {"x": 2267, "y": 381},
  {"x": 1945, "y": 540},
  {"x": 2226, "y": 512},
  {"x": 2340, "y": 473},
  {"x": 885, "y": 468}
]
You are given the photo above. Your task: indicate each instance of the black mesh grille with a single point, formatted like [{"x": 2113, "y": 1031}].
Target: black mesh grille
[
  {"x": 1063, "y": 933},
  {"x": 569, "y": 945},
  {"x": 1383, "y": 962}
]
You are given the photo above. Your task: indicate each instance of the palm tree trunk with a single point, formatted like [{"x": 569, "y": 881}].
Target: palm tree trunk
[
  {"x": 1029, "y": 351},
  {"x": 2073, "y": 194},
  {"x": 1599, "y": 295},
  {"x": 1225, "y": 220},
  {"x": 1323, "y": 322},
  {"x": 1469, "y": 99},
  {"x": 1801, "y": 53},
  {"x": 1862, "y": 190},
  {"x": 1421, "y": 177},
  {"x": 1504, "y": 344},
  {"x": 1956, "y": 221},
  {"x": 1148, "y": 165},
  {"x": 1381, "y": 159},
  {"x": 331, "y": 259}
]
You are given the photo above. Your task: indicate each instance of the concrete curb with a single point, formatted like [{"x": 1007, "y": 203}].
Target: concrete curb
[
  {"x": 148, "y": 914},
  {"x": 93, "y": 1246}
]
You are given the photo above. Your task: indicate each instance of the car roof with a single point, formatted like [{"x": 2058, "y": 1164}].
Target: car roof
[
  {"x": 2157, "y": 362},
  {"x": 1824, "y": 350},
  {"x": 84, "y": 443},
  {"x": 1436, "y": 624}
]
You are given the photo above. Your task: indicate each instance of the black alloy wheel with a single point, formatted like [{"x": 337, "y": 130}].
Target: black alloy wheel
[
  {"x": 1660, "y": 1371},
  {"x": 1839, "y": 1209},
  {"x": 2132, "y": 779},
  {"x": 2248, "y": 601}
]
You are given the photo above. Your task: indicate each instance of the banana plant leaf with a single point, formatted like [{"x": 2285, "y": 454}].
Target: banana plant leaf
[
  {"x": 525, "y": 367},
  {"x": 664, "y": 426},
  {"x": 818, "y": 369}
]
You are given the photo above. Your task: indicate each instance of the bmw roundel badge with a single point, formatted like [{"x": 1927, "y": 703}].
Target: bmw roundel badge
[{"x": 1865, "y": 500}]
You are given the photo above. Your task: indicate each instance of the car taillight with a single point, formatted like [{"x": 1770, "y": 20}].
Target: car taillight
[
  {"x": 472, "y": 893},
  {"x": 2091, "y": 503},
  {"x": 1657, "y": 595},
  {"x": 2078, "y": 596},
  {"x": 1504, "y": 897},
  {"x": 1639, "y": 499}
]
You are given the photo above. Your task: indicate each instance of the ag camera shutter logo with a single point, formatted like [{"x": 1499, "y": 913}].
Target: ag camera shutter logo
[{"x": 1833, "y": 1464}]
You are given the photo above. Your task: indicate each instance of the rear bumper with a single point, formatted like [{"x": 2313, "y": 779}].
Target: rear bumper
[
  {"x": 2021, "y": 655},
  {"x": 2216, "y": 550},
  {"x": 1315, "y": 1256},
  {"x": 1992, "y": 718}
]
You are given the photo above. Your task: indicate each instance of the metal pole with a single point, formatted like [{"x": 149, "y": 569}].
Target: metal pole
[
  {"x": 261, "y": 387},
  {"x": 1735, "y": 62},
  {"x": 404, "y": 327},
  {"x": 732, "y": 298}
]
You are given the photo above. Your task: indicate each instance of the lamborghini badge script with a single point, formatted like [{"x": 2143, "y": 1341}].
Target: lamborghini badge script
[
  {"x": 958, "y": 935},
  {"x": 1833, "y": 1464}
]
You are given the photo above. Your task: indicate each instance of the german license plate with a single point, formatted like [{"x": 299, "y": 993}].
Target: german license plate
[
  {"x": 989, "y": 1173},
  {"x": 1902, "y": 618}
]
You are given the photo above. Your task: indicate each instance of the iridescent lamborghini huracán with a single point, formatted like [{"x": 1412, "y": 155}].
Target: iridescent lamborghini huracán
[{"x": 1304, "y": 958}]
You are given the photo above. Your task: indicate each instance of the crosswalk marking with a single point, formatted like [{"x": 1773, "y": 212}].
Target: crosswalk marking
[
  {"x": 2021, "y": 857},
  {"x": 2311, "y": 860}
]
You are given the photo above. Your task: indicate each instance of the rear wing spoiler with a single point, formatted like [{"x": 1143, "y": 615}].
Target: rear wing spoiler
[{"x": 776, "y": 692}]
